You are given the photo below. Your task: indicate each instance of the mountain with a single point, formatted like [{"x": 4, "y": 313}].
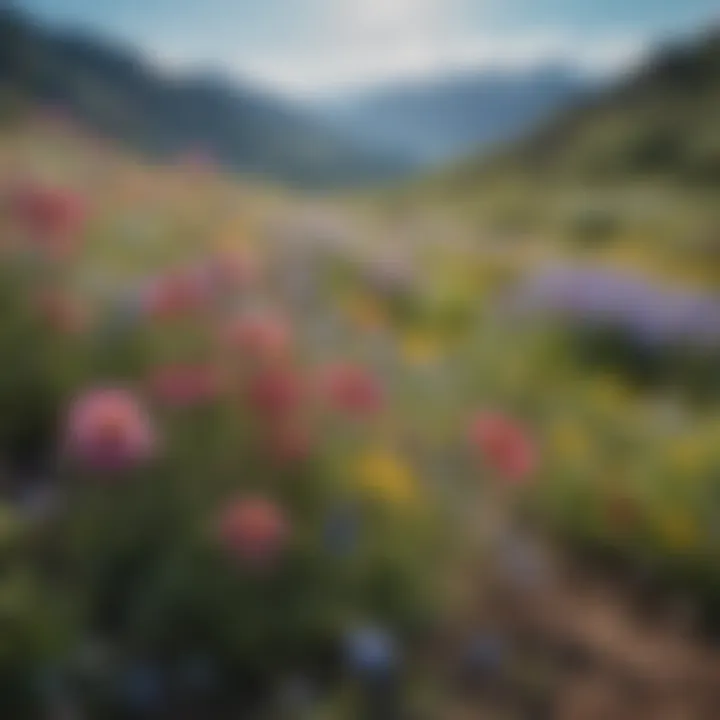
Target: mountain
[
  {"x": 636, "y": 165},
  {"x": 118, "y": 94},
  {"x": 662, "y": 123},
  {"x": 444, "y": 118}
]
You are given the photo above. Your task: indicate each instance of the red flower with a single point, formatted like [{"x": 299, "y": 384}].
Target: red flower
[
  {"x": 253, "y": 530},
  {"x": 504, "y": 444},
  {"x": 275, "y": 392},
  {"x": 260, "y": 337},
  {"x": 185, "y": 385},
  {"x": 53, "y": 218},
  {"x": 108, "y": 428},
  {"x": 177, "y": 293},
  {"x": 352, "y": 389}
]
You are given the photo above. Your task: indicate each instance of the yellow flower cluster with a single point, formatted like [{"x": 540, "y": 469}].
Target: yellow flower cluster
[{"x": 383, "y": 475}]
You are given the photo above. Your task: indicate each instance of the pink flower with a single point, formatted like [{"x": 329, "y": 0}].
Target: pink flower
[
  {"x": 504, "y": 444},
  {"x": 177, "y": 293},
  {"x": 53, "y": 218},
  {"x": 275, "y": 392},
  {"x": 109, "y": 429},
  {"x": 352, "y": 389},
  {"x": 185, "y": 385},
  {"x": 259, "y": 337},
  {"x": 253, "y": 530}
]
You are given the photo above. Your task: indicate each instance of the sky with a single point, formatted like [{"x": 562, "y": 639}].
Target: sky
[{"x": 320, "y": 46}]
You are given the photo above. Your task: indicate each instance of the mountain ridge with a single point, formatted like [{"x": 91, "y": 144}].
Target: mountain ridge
[
  {"x": 662, "y": 121},
  {"x": 120, "y": 94},
  {"x": 438, "y": 119}
]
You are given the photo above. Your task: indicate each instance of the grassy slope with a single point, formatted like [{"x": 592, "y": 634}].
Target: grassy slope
[{"x": 637, "y": 168}]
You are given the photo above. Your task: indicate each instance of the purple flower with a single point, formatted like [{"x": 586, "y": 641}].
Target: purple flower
[{"x": 597, "y": 298}]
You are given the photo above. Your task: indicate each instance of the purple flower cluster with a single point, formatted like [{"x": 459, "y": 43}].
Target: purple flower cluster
[{"x": 643, "y": 310}]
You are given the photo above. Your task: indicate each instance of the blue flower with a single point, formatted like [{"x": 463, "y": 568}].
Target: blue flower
[{"x": 371, "y": 651}]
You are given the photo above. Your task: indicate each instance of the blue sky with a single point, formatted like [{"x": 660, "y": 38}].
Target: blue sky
[{"x": 299, "y": 46}]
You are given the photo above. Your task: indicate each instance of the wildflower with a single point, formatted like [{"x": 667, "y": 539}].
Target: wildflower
[
  {"x": 108, "y": 428},
  {"x": 275, "y": 392},
  {"x": 261, "y": 337},
  {"x": 384, "y": 476},
  {"x": 371, "y": 651},
  {"x": 504, "y": 445},
  {"x": 185, "y": 385},
  {"x": 352, "y": 389},
  {"x": 177, "y": 293},
  {"x": 51, "y": 217},
  {"x": 253, "y": 529}
]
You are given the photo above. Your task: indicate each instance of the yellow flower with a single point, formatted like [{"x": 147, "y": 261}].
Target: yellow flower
[
  {"x": 384, "y": 476},
  {"x": 419, "y": 349}
]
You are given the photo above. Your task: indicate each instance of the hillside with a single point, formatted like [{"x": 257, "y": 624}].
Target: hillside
[
  {"x": 636, "y": 168},
  {"x": 119, "y": 95},
  {"x": 662, "y": 123},
  {"x": 441, "y": 119}
]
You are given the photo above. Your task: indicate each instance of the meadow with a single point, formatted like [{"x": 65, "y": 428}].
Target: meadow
[{"x": 255, "y": 448}]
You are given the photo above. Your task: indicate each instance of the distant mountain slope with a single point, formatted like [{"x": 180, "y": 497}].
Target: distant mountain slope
[
  {"x": 119, "y": 95},
  {"x": 445, "y": 118},
  {"x": 663, "y": 123}
]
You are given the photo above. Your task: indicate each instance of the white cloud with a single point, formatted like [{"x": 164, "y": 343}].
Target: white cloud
[
  {"x": 363, "y": 42},
  {"x": 387, "y": 20},
  {"x": 418, "y": 57}
]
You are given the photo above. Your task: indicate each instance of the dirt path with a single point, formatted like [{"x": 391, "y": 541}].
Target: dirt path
[{"x": 562, "y": 643}]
